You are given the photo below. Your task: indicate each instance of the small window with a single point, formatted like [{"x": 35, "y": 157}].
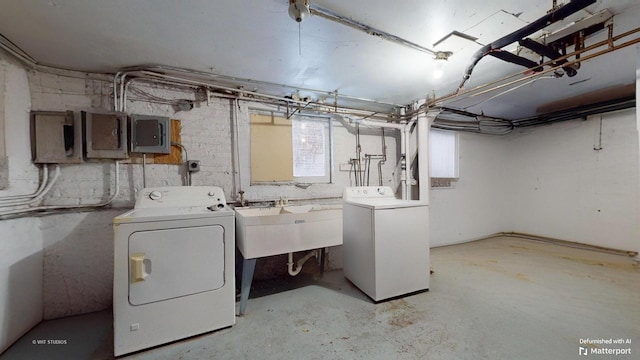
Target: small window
[
  {"x": 443, "y": 157},
  {"x": 295, "y": 150}
]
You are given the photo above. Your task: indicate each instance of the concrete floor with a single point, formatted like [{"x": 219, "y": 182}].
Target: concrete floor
[{"x": 501, "y": 298}]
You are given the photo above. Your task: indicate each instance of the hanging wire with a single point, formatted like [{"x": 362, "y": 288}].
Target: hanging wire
[{"x": 299, "y": 40}]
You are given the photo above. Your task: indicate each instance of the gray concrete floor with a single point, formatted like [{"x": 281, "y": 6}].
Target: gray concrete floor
[{"x": 500, "y": 298}]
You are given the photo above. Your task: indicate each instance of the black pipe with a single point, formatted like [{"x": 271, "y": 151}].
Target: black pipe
[
  {"x": 515, "y": 59},
  {"x": 552, "y": 17},
  {"x": 621, "y": 103},
  {"x": 549, "y": 52}
]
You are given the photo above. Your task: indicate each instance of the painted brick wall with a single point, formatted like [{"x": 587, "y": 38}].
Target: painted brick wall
[{"x": 78, "y": 247}]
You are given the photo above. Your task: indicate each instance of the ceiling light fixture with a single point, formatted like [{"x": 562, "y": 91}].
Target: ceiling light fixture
[
  {"x": 299, "y": 9},
  {"x": 440, "y": 59}
]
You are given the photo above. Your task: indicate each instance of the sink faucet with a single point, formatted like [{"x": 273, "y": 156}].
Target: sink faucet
[{"x": 242, "y": 200}]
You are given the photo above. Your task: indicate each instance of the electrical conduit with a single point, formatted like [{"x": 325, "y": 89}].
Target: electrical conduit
[
  {"x": 39, "y": 195},
  {"x": 43, "y": 182},
  {"x": 63, "y": 207}
]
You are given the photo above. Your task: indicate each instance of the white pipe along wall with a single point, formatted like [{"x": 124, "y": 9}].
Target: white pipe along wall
[
  {"x": 424, "y": 125},
  {"x": 404, "y": 130}
]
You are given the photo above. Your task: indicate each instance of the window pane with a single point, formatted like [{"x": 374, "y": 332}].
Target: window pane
[
  {"x": 308, "y": 149},
  {"x": 442, "y": 154}
]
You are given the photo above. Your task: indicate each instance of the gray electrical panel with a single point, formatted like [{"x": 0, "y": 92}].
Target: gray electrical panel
[
  {"x": 56, "y": 137},
  {"x": 150, "y": 134},
  {"x": 105, "y": 135}
]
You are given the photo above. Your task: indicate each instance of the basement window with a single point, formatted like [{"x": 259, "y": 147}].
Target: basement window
[
  {"x": 443, "y": 158},
  {"x": 289, "y": 151}
]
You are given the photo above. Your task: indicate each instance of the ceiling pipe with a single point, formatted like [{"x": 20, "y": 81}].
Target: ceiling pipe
[
  {"x": 583, "y": 111},
  {"x": 340, "y": 19},
  {"x": 552, "y": 17},
  {"x": 549, "y": 52},
  {"x": 260, "y": 97},
  {"x": 568, "y": 63},
  {"x": 158, "y": 67},
  {"x": 497, "y": 84},
  {"x": 515, "y": 59},
  {"x": 14, "y": 50}
]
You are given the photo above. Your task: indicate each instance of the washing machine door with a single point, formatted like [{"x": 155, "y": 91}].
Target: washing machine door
[{"x": 170, "y": 263}]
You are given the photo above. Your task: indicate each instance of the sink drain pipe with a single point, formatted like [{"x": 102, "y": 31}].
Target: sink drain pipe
[{"x": 298, "y": 265}]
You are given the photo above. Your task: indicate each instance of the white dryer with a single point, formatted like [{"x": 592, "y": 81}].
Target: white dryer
[
  {"x": 385, "y": 242},
  {"x": 174, "y": 257}
]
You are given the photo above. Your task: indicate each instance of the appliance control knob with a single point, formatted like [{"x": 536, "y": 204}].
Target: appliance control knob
[
  {"x": 155, "y": 195},
  {"x": 216, "y": 207},
  {"x": 364, "y": 191}
]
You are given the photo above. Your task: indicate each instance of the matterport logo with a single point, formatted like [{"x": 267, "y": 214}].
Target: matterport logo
[{"x": 604, "y": 347}]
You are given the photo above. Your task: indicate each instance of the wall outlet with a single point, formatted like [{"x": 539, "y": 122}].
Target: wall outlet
[{"x": 193, "y": 165}]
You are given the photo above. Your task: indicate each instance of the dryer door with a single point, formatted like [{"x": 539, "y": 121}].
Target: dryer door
[{"x": 170, "y": 263}]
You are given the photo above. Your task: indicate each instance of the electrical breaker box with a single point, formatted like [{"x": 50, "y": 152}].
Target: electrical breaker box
[
  {"x": 105, "y": 135},
  {"x": 150, "y": 134},
  {"x": 56, "y": 137}
]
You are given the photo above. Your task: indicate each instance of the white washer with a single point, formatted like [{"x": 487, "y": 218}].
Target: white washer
[
  {"x": 385, "y": 242},
  {"x": 173, "y": 267}
]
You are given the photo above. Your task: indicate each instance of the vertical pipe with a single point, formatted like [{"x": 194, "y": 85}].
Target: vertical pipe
[
  {"x": 331, "y": 157},
  {"x": 115, "y": 91},
  {"x": 235, "y": 150},
  {"x": 367, "y": 162},
  {"x": 407, "y": 157},
  {"x": 144, "y": 170},
  {"x": 424, "y": 124},
  {"x": 403, "y": 164},
  {"x": 122, "y": 79},
  {"x": 384, "y": 159},
  {"x": 358, "y": 164}
]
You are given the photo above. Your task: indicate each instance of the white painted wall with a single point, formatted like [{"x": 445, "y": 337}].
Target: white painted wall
[
  {"x": 546, "y": 181},
  {"x": 561, "y": 187},
  {"x": 474, "y": 206},
  {"x": 78, "y": 262},
  {"x": 20, "y": 240},
  {"x": 20, "y": 279}
]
